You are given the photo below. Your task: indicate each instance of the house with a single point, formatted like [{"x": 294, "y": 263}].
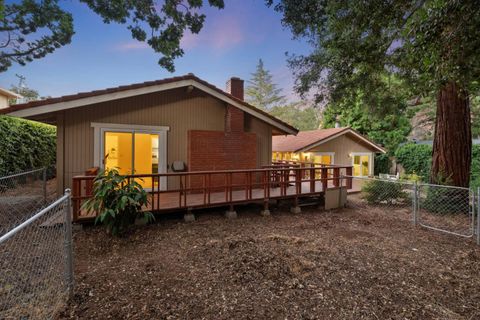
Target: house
[
  {"x": 6, "y": 96},
  {"x": 335, "y": 146},
  {"x": 147, "y": 127}
]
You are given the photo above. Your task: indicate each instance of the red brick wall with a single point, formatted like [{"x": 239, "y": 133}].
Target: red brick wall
[
  {"x": 217, "y": 150},
  {"x": 234, "y": 119}
]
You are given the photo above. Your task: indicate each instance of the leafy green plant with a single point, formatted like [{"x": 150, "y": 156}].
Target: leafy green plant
[
  {"x": 26, "y": 145},
  {"x": 411, "y": 177},
  {"x": 117, "y": 201},
  {"x": 384, "y": 192}
]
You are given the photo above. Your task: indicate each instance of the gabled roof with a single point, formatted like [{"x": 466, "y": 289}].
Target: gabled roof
[
  {"x": 34, "y": 108},
  {"x": 9, "y": 94},
  {"x": 305, "y": 140}
]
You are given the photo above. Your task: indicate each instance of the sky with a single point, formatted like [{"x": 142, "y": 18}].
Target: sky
[{"x": 104, "y": 55}]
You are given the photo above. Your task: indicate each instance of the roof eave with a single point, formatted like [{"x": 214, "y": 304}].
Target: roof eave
[{"x": 31, "y": 111}]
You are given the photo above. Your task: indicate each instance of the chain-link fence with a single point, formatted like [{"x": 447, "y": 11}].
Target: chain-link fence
[
  {"x": 446, "y": 208},
  {"x": 441, "y": 208},
  {"x": 36, "y": 270},
  {"x": 22, "y": 194}
]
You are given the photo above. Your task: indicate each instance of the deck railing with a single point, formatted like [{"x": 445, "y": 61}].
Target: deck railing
[{"x": 201, "y": 189}]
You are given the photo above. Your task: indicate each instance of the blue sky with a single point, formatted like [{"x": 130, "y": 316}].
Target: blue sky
[{"x": 100, "y": 55}]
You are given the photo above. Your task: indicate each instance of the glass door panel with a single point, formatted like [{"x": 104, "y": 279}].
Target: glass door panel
[
  {"x": 118, "y": 152},
  {"x": 146, "y": 157},
  {"x": 321, "y": 159},
  {"x": 361, "y": 165}
]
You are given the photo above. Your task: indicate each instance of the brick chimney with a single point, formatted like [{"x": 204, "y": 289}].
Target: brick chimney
[{"x": 234, "y": 117}]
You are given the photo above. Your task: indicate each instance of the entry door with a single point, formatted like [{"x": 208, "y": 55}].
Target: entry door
[
  {"x": 361, "y": 165},
  {"x": 133, "y": 152}
]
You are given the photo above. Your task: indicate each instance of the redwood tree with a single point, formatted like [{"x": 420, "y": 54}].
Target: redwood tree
[{"x": 433, "y": 45}]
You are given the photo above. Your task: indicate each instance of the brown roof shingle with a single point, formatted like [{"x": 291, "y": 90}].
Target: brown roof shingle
[
  {"x": 82, "y": 95},
  {"x": 302, "y": 139}
]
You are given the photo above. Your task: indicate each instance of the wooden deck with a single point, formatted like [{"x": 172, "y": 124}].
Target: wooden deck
[{"x": 227, "y": 188}]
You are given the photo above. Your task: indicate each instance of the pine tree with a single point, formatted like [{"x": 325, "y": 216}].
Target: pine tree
[{"x": 262, "y": 92}]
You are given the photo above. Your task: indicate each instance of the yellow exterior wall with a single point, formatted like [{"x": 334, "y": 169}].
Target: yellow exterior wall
[{"x": 176, "y": 109}]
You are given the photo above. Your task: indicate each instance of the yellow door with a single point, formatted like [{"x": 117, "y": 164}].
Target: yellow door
[
  {"x": 361, "y": 164},
  {"x": 146, "y": 157},
  {"x": 132, "y": 153},
  {"x": 118, "y": 152},
  {"x": 321, "y": 159}
]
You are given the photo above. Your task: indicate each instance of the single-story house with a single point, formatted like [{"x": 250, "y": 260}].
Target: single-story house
[
  {"x": 335, "y": 146},
  {"x": 6, "y": 95},
  {"x": 144, "y": 128}
]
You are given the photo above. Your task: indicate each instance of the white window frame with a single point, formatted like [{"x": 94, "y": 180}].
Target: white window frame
[
  {"x": 331, "y": 154},
  {"x": 370, "y": 161},
  {"x": 99, "y": 143}
]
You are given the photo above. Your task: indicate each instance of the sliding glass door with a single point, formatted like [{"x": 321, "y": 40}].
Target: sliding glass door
[
  {"x": 361, "y": 165},
  {"x": 132, "y": 152}
]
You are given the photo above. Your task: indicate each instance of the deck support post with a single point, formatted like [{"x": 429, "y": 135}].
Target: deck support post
[
  {"x": 295, "y": 208},
  {"x": 231, "y": 213},
  {"x": 189, "y": 216},
  {"x": 265, "y": 212}
]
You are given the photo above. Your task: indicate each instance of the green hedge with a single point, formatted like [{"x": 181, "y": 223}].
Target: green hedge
[
  {"x": 26, "y": 145},
  {"x": 417, "y": 158}
]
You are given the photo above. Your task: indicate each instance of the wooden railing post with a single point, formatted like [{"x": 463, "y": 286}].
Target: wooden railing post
[
  {"x": 336, "y": 177},
  {"x": 298, "y": 180},
  {"x": 349, "y": 171},
  {"x": 324, "y": 179},
  {"x": 76, "y": 198},
  {"x": 312, "y": 180}
]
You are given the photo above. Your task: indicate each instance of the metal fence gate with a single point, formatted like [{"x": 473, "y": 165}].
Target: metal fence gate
[{"x": 447, "y": 209}]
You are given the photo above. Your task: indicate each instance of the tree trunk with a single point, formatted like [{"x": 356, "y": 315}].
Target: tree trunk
[{"x": 452, "y": 145}]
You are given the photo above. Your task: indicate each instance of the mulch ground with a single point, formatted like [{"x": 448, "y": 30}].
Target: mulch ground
[{"x": 349, "y": 264}]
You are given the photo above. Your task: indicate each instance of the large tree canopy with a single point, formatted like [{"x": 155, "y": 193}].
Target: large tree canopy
[
  {"x": 32, "y": 29},
  {"x": 434, "y": 45}
]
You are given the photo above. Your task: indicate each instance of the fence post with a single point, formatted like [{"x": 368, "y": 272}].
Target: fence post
[
  {"x": 44, "y": 185},
  {"x": 414, "y": 202},
  {"x": 68, "y": 242},
  {"x": 478, "y": 215}
]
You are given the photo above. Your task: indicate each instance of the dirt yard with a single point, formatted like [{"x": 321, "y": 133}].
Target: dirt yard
[{"x": 350, "y": 264}]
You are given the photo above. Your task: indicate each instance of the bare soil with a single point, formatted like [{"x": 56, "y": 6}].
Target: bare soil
[{"x": 356, "y": 263}]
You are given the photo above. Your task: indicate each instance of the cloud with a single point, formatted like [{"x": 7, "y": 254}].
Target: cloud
[
  {"x": 131, "y": 45},
  {"x": 221, "y": 34}
]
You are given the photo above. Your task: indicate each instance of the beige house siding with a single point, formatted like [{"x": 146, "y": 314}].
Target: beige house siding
[
  {"x": 3, "y": 101},
  {"x": 176, "y": 109},
  {"x": 264, "y": 139},
  {"x": 343, "y": 146}
]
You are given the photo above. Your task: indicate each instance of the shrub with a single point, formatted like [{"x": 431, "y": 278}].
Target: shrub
[
  {"x": 26, "y": 145},
  {"x": 443, "y": 200},
  {"x": 382, "y": 164},
  {"x": 386, "y": 192},
  {"x": 117, "y": 202},
  {"x": 417, "y": 159}
]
